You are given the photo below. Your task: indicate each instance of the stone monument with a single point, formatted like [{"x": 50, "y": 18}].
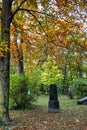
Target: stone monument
[{"x": 53, "y": 104}]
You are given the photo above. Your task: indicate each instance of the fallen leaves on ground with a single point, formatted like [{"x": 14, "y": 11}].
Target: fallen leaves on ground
[{"x": 40, "y": 119}]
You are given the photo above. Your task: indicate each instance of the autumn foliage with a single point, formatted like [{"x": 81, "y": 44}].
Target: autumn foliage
[{"x": 32, "y": 29}]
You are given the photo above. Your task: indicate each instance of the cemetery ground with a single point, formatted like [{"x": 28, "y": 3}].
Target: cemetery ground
[{"x": 71, "y": 116}]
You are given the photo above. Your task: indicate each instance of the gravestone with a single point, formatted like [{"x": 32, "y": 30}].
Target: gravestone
[
  {"x": 53, "y": 104},
  {"x": 82, "y": 101}
]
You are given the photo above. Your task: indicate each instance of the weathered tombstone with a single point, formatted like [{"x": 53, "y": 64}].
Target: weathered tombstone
[
  {"x": 53, "y": 104},
  {"x": 82, "y": 101}
]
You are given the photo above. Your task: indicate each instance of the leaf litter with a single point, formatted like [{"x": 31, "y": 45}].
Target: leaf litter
[{"x": 40, "y": 119}]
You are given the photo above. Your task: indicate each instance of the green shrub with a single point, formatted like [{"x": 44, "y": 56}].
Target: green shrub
[
  {"x": 51, "y": 73},
  {"x": 35, "y": 81},
  {"x": 80, "y": 87},
  {"x": 19, "y": 96}
]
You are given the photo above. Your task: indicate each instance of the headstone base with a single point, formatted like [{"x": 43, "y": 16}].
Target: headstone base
[{"x": 53, "y": 106}]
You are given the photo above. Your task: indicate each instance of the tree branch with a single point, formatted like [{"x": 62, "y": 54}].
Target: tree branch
[
  {"x": 0, "y": 9},
  {"x": 50, "y": 15},
  {"x": 19, "y": 7},
  {"x": 11, "y": 1},
  {"x": 35, "y": 11},
  {"x": 30, "y": 12}
]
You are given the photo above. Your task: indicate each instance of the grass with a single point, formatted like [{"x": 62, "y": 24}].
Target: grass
[
  {"x": 64, "y": 102},
  {"x": 42, "y": 100}
]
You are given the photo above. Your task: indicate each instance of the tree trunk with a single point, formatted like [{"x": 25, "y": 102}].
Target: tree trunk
[
  {"x": 20, "y": 66},
  {"x": 5, "y": 60},
  {"x": 65, "y": 83},
  {"x": 20, "y": 61}
]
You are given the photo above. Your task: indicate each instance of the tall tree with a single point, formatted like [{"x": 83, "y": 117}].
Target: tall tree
[
  {"x": 6, "y": 19},
  {"x": 8, "y": 10},
  {"x": 5, "y": 59}
]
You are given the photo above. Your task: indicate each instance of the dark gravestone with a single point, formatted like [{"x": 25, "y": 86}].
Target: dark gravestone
[
  {"x": 82, "y": 101},
  {"x": 53, "y": 104}
]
